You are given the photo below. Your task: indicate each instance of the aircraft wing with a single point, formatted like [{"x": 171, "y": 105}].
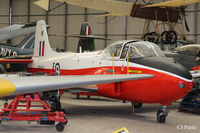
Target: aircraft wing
[
  {"x": 2, "y": 60},
  {"x": 174, "y": 3},
  {"x": 15, "y": 30},
  {"x": 17, "y": 59},
  {"x": 43, "y": 4},
  {"x": 111, "y": 6},
  {"x": 14, "y": 84}
]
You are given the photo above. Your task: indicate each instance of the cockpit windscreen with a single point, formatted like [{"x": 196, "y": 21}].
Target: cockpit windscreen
[{"x": 135, "y": 50}]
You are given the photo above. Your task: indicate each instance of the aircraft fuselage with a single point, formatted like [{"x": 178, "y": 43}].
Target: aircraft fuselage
[{"x": 171, "y": 81}]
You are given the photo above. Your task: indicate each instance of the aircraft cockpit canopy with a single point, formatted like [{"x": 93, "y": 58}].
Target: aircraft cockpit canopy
[{"x": 136, "y": 49}]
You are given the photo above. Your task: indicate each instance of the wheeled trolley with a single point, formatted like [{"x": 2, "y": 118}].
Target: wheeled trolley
[{"x": 31, "y": 108}]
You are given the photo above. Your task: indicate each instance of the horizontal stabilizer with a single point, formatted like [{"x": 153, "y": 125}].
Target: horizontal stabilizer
[{"x": 82, "y": 36}]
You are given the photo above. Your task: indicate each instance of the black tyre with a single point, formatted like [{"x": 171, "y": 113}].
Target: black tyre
[
  {"x": 60, "y": 126},
  {"x": 2, "y": 69},
  {"x": 151, "y": 37},
  {"x": 160, "y": 117},
  {"x": 138, "y": 105},
  {"x": 164, "y": 37},
  {"x": 169, "y": 37},
  {"x": 154, "y": 37},
  {"x": 172, "y": 36},
  {"x": 146, "y": 37}
]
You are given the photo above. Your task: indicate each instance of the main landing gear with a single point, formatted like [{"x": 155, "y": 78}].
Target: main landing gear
[{"x": 162, "y": 114}]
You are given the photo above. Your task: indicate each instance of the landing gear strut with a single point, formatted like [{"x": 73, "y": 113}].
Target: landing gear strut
[
  {"x": 162, "y": 114},
  {"x": 54, "y": 99}
]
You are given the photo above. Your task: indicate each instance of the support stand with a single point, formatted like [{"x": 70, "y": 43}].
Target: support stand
[{"x": 31, "y": 108}]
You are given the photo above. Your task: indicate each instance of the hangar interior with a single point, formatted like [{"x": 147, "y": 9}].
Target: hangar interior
[
  {"x": 67, "y": 19},
  {"x": 163, "y": 80}
]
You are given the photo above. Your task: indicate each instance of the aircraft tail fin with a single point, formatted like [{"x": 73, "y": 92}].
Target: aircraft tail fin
[
  {"x": 86, "y": 29},
  {"x": 42, "y": 46},
  {"x": 87, "y": 42}
]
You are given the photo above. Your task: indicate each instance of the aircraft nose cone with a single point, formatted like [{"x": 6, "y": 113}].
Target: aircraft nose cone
[
  {"x": 6, "y": 87},
  {"x": 164, "y": 64}
]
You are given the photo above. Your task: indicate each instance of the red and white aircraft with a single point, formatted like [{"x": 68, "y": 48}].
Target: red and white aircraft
[{"x": 167, "y": 80}]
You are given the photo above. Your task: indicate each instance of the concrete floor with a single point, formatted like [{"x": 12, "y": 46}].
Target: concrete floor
[{"x": 102, "y": 115}]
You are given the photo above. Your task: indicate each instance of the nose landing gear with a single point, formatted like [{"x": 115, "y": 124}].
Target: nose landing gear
[{"x": 162, "y": 114}]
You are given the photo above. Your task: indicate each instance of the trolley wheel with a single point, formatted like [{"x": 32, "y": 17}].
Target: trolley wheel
[{"x": 60, "y": 126}]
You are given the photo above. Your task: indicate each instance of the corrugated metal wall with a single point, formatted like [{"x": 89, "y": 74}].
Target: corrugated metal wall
[{"x": 67, "y": 19}]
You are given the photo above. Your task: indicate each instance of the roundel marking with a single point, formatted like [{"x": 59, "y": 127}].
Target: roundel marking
[
  {"x": 14, "y": 53},
  {"x": 57, "y": 68}
]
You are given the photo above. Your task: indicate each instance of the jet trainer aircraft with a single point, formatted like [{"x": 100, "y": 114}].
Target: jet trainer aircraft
[
  {"x": 144, "y": 58},
  {"x": 167, "y": 80}
]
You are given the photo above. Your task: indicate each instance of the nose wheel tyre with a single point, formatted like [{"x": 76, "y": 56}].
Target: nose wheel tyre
[{"x": 161, "y": 116}]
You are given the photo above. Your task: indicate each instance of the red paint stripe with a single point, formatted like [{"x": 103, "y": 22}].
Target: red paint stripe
[
  {"x": 88, "y": 30},
  {"x": 43, "y": 48},
  {"x": 53, "y": 70},
  {"x": 93, "y": 71},
  {"x": 16, "y": 60}
]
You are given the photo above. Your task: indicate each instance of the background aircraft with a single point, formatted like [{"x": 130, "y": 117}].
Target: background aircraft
[
  {"x": 187, "y": 55},
  {"x": 86, "y": 38},
  {"x": 25, "y": 47},
  {"x": 16, "y": 30},
  {"x": 170, "y": 13},
  {"x": 23, "y": 50}
]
